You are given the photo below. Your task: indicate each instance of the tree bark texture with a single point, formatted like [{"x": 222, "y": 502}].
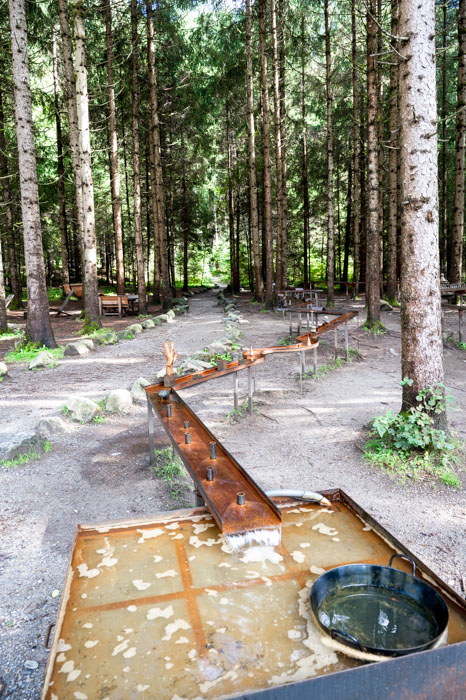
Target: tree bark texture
[
  {"x": 8, "y": 211},
  {"x": 136, "y": 160},
  {"x": 372, "y": 246},
  {"x": 259, "y": 283},
  {"x": 267, "y": 204},
  {"x": 70, "y": 83},
  {"x": 91, "y": 301},
  {"x": 356, "y": 243},
  {"x": 231, "y": 215},
  {"x": 330, "y": 195},
  {"x": 62, "y": 224},
  {"x": 281, "y": 64},
  {"x": 38, "y": 324},
  {"x": 157, "y": 162},
  {"x": 394, "y": 124},
  {"x": 443, "y": 173},
  {"x": 421, "y": 343},
  {"x": 458, "y": 211},
  {"x": 115, "y": 185}
]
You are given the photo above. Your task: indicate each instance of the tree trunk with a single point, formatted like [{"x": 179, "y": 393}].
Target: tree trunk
[
  {"x": 348, "y": 222},
  {"x": 394, "y": 123},
  {"x": 421, "y": 342},
  {"x": 158, "y": 193},
  {"x": 136, "y": 160},
  {"x": 62, "y": 224},
  {"x": 278, "y": 149},
  {"x": 267, "y": 208},
  {"x": 3, "y": 321},
  {"x": 443, "y": 173},
  {"x": 91, "y": 301},
  {"x": 304, "y": 175},
  {"x": 115, "y": 185},
  {"x": 458, "y": 210},
  {"x": 330, "y": 203},
  {"x": 380, "y": 150},
  {"x": 356, "y": 241},
  {"x": 70, "y": 83},
  {"x": 259, "y": 283},
  {"x": 231, "y": 216},
  {"x": 6, "y": 195},
  {"x": 372, "y": 245},
  {"x": 281, "y": 64},
  {"x": 38, "y": 325}
]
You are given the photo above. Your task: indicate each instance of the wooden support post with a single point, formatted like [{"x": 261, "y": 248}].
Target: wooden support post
[
  {"x": 335, "y": 343},
  {"x": 250, "y": 390},
  {"x": 150, "y": 425},
  {"x": 235, "y": 390},
  {"x": 346, "y": 341}
]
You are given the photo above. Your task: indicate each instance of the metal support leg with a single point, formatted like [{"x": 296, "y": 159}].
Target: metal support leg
[
  {"x": 314, "y": 353},
  {"x": 303, "y": 368},
  {"x": 254, "y": 380},
  {"x": 235, "y": 390},
  {"x": 346, "y": 342},
  {"x": 199, "y": 501},
  {"x": 335, "y": 344},
  {"x": 291, "y": 324},
  {"x": 250, "y": 390},
  {"x": 460, "y": 325},
  {"x": 150, "y": 424},
  {"x": 307, "y": 319},
  {"x": 299, "y": 324}
]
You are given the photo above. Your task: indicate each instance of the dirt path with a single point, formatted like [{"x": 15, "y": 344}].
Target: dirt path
[{"x": 100, "y": 471}]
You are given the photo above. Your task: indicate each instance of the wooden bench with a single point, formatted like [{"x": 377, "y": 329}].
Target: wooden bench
[{"x": 113, "y": 305}]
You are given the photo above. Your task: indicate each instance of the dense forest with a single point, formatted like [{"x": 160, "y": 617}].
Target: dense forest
[{"x": 161, "y": 145}]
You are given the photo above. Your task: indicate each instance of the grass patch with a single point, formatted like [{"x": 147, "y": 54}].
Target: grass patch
[
  {"x": 25, "y": 351},
  {"x": 461, "y": 346},
  {"x": 239, "y": 413},
  {"x": 353, "y": 354},
  {"x": 376, "y": 328},
  {"x": 408, "y": 444},
  {"x": 288, "y": 340},
  {"x": 169, "y": 467},
  {"x": 6, "y": 335}
]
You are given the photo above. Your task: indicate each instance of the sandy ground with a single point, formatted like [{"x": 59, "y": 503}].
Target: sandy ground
[{"x": 101, "y": 472}]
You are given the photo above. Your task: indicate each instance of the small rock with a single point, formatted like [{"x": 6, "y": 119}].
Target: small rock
[
  {"x": 3, "y": 369},
  {"x": 148, "y": 323},
  {"x": 170, "y": 314},
  {"x": 109, "y": 338},
  {"x": 118, "y": 401},
  {"x": 125, "y": 334},
  {"x": 42, "y": 360},
  {"x": 31, "y": 665},
  {"x": 82, "y": 409},
  {"x": 137, "y": 391},
  {"x": 19, "y": 443},
  {"x": 51, "y": 426},
  {"x": 78, "y": 348},
  {"x": 163, "y": 318},
  {"x": 135, "y": 328},
  {"x": 393, "y": 352},
  {"x": 156, "y": 321}
]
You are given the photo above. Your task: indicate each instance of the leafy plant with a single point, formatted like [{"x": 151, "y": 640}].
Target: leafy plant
[
  {"x": 461, "y": 346},
  {"x": 169, "y": 468},
  {"x": 89, "y": 327},
  {"x": 220, "y": 356},
  {"x": 409, "y": 444},
  {"x": 239, "y": 413},
  {"x": 98, "y": 419}
]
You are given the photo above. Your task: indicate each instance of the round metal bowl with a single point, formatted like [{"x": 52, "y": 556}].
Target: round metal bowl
[{"x": 379, "y": 610}]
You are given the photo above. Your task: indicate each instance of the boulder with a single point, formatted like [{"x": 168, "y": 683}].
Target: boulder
[
  {"x": 180, "y": 310},
  {"x": 88, "y": 343},
  {"x": 3, "y": 369},
  {"x": 119, "y": 401},
  {"x": 135, "y": 328},
  {"x": 42, "y": 360},
  {"x": 78, "y": 348},
  {"x": 16, "y": 443},
  {"x": 109, "y": 338},
  {"x": 156, "y": 320},
  {"x": 148, "y": 323},
  {"x": 51, "y": 426},
  {"x": 82, "y": 409},
  {"x": 163, "y": 318},
  {"x": 137, "y": 391},
  {"x": 125, "y": 334},
  {"x": 170, "y": 314}
]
